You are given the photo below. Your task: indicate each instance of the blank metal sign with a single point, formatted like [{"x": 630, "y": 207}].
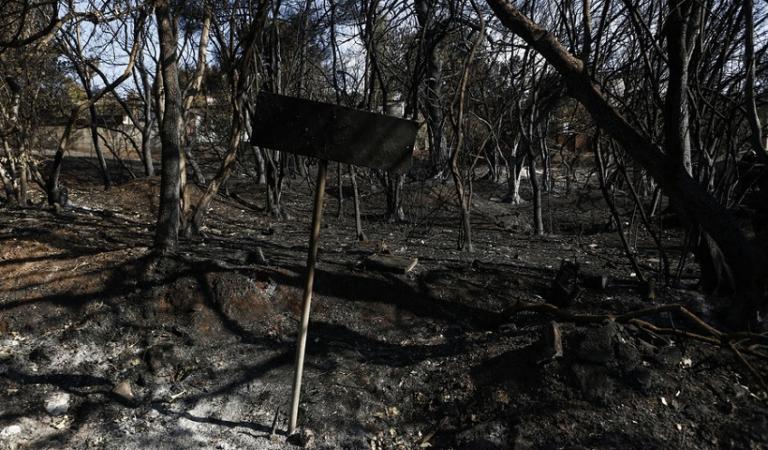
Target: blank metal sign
[{"x": 333, "y": 132}]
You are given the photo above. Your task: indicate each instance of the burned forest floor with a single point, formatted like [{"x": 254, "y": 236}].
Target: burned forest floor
[{"x": 103, "y": 346}]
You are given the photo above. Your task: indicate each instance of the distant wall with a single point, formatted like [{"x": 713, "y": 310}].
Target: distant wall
[{"x": 111, "y": 142}]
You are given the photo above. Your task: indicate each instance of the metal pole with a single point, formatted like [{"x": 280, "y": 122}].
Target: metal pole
[{"x": 311, "y": 260}]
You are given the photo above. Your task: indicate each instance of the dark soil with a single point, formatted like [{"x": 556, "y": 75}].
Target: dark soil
[{"x": 104, "y": 346}]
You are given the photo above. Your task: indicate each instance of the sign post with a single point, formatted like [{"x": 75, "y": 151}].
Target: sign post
[
  {"x": 327, "y": 132},
  {"x": 314, "y": 237}
]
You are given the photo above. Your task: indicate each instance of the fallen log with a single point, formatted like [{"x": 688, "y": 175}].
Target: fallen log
[{"x": 390, "y": 263}]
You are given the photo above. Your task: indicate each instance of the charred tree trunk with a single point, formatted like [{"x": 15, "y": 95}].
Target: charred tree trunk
[
  {"x": 10, "y": 196},
  {"x": 663, "y": 258},
  {"x": 515, "y": 163},
  {"x": 431, "y": 36},
  {"x": 538, "y": 217},
  {"x": 169, "y": 215},
  {"x": 19, "y": 171},
  {"x": 189, "y": 98},
  {"x": 602, "y": 177},
  {"x": 274, "y": 181},
  {"x": 241, "y": 75},
  {"x": 94, "y": 127},
  {"x": 24, "y": 177},
  {"x": 393, "y": 184},
  {"x": 457, "y": 118},
  {"x": 756, "y": 138},
  {"x": 148, "y": 120},
  {"x": 261, "y": 170},
  {"x": 356, "y": 200},
  {"x": 681, "y": 30},
  {"x": 546, "y": 164},
  {"x": 340, "y": 185},
  {"x": 222, "y": 175}
]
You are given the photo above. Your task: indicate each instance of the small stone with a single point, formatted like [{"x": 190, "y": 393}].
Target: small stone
[
  {"x": 124, "y": 391},
  {"x": 303, "y": 438},
  {"x": 62, "y": 423},
  {"x": 58, "y": 403},
  {"x": 10, "y": 431}
]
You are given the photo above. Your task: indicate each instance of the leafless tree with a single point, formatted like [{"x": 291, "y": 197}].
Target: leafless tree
[{"x": 693, "y": 201}]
